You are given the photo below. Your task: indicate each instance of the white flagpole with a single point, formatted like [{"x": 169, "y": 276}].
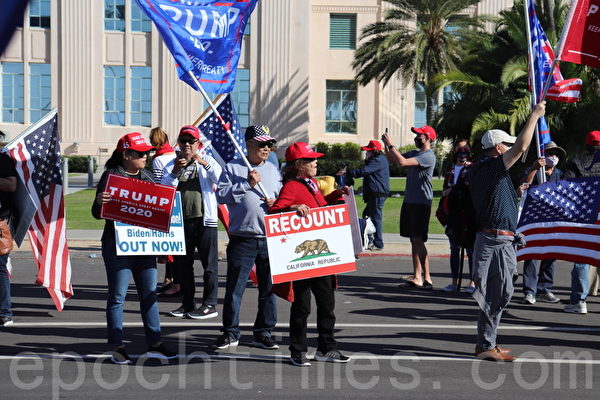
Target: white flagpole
[
  {"x": 541, "y": 175},
  {"x": 226, "y": 127}
]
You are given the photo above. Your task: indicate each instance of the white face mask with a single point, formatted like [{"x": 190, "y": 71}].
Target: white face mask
[{"x": 551, "y": 161}]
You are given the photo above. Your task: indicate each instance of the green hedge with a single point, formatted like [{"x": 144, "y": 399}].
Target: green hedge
[
  {"x": 80, "y": 163},
  {"x": 350, "y": 154}
]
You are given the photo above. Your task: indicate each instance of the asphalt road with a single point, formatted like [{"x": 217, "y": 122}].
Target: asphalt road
[{"x": 404, "y": 343}]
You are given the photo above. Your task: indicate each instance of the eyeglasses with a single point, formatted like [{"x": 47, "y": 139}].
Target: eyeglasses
[{"x": 187, "y": 141}]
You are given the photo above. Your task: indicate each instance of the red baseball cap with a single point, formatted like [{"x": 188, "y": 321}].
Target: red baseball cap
[
  {"x": 190, "y": 130},
  {"x": 300, "y": 150},
  {"x": 133, "y": 141},
  {"x": 426, "y": 130},
  {"x": 373, "y": 145},
  {"x": 593, "y": 138}
]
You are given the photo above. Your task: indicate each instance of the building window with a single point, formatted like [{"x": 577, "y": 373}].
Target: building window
[
  {"x": 39, "y": 14},
  {"x": 141, "y": 96},
  {"x": 12, "y": 92},
  {"x": 40, "y": 91},
  {"x": 420, "y": 105},
  {"x": 114, "y": 95},
  {"x": 342, "y": 31},
  {"x": 240, "y": 97},
  {"x": 139, "y": 20},
  {"x": 340, "y": 107},
  {"x": 114, "y": 15}
]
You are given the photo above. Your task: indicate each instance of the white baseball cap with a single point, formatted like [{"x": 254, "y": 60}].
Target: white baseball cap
[{"x": 494, "y": 137}]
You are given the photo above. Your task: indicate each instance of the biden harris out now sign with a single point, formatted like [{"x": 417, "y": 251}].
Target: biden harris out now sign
[{"x": 319, "y": 244}]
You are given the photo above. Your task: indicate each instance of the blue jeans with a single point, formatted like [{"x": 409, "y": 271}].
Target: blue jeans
[
  {"x": 4, "y": 288},
  {"x": 455, "y": 260},
  {"x": 580, "y": 282},
  {"x": 119, "y": 270},
  {"x": 242, "y": 254},
  {"x": 534, "y": 282},
  {"x": 374, "y": 210}
]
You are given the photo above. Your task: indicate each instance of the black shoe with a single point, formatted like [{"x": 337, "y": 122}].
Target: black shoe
[
  {"x": 265, "y": 342},
  {"x": 180, "y": 312},
  {"x": 164, "y": 287},
  {"x": 203, "y": 312},
  {"x": 120, "y": 356},
  {"x": 5, "y": 321},
  {"x": 161, "y": 351},
  {"x": 332, "y": 356},
  {"x": 225, "y": 341},
  {"x": 299, "y": 359}
]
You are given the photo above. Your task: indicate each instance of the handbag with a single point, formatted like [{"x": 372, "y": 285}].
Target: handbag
[{"x": 6, "y": 239}]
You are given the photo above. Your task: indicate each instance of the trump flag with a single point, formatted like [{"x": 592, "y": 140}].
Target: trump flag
[
  {"x": 204, "y": 37},
  {"x": 580, "y": 40},
  {"x": 560, "y": 220}
]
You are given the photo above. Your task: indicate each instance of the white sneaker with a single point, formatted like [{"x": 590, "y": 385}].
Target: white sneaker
[
  {"x": 529, "y": 299},
  {"x": 578, "y": 308},
  {"x": 450, "y": 288}
]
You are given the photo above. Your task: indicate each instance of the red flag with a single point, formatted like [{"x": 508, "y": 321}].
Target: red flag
[
  {"x": 580, "y": 41},
  {"x": 37, "y": 160}
]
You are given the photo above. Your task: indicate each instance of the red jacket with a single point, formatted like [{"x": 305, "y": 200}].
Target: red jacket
[{"x": 295, "y": 193}]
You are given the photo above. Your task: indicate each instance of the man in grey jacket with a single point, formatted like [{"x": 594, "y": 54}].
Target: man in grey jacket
[{"x": 238, "y": 189}]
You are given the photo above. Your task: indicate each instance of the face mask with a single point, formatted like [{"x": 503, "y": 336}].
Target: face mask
[
  {"x": 462, "y": 156},
  {"x": 419, "y": 143},
  {"x": 551, "y": 161}
]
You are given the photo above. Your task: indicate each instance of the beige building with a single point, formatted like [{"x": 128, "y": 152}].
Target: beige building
[{"x": 103, "y": 65}]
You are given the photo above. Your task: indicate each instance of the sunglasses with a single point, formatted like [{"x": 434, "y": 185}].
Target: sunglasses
[
  {"x": 308, "y": 160},
  {"x": 262, "y": 145},
  {"x": 140, "y": 154},
  {"x": 187, "y": 141}
]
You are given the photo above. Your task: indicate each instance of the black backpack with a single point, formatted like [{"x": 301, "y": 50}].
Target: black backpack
[{"x": 461, "y": 224}]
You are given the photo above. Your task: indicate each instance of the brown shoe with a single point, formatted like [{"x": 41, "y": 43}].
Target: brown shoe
[
  {"x": 503, "y": 350},
  {"x": 495, "y": 354}
]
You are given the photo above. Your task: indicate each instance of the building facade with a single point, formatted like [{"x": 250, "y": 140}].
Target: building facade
[{"x": 104, "y": 66}]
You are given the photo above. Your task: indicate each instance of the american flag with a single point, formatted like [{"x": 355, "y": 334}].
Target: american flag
[
  {"x": 566, "y": 91},
  {"x": 561, "y": 220},
  {"x": 216, "y": 142},
  {"x": 38, "y": 162}
]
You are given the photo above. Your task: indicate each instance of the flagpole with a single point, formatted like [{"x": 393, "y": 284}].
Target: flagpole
[
  {"x": 227, "y": 127},
  {"x": 541, "y": 175}
]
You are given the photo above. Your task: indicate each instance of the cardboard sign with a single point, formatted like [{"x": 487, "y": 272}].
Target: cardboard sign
[
  {"x": 319, "y": 244},
  {"x": 357, "y": 241},
  {"x": 136, "y": 241},
  {"x": 138, "y": 202}
]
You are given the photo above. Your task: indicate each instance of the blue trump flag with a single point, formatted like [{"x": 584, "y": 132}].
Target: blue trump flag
[{"x": 204, "y": 37}]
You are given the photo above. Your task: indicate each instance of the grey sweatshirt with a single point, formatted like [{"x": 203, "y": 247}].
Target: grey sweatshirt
[{"x": 246, "y": 209}]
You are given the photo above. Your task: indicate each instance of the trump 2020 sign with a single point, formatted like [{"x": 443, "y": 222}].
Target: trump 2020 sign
[{"x": 319, "y": 244}]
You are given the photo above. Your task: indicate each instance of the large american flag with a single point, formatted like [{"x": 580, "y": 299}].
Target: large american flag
[
  {"x": 561, "y": 220},
  {"x": 38, "y": 162}
]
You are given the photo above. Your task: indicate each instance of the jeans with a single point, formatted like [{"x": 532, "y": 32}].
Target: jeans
[
  {"x": 580, "y": 282},
  {"x": 374, "y": 210},
  {"x": 119, "y": 270},
  {"x": 322, "y": 289},
  {"x": 455, "y": 260},
  {"x": 534, "y": 282},
  {"x": 4, "y": 288},
  {"x": 242, "y": 254},
  {"x": 205, "y": 240}
]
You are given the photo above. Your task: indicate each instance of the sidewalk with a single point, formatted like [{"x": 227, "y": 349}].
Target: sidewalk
[{"x": 395, "y": 245}]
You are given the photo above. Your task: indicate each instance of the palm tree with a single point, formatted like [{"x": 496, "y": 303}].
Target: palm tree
[{"x": 413, "y": 42}]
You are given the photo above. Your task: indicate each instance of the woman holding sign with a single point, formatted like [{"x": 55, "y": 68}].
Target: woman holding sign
[
  {"x": 129, "y": 159},
  {"x": 301, "y": 193}
]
